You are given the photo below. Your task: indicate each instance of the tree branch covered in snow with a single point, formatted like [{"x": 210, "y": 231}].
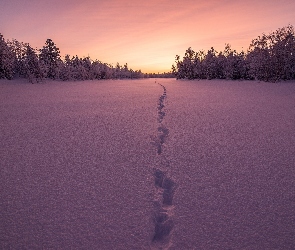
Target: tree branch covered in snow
[{"x": 269, "y": 58}]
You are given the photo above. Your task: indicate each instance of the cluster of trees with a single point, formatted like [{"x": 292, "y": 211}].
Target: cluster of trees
[
  {"x": 269, "y": 58},
  {"x": 18, "y": 59},
  {"x": 159, "y": 75}
]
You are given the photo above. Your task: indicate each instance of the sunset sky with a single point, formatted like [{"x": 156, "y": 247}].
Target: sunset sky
[{"x": 145, "y": 34}]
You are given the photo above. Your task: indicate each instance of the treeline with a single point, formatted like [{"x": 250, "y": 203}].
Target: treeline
[
  {"x": 20, "y": 60},
  {"x": 160, "y": 75},
  {"x": 269, "y": 58}
]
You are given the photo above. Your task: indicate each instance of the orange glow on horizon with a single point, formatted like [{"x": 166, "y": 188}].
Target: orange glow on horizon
[{"x": 146, "y": 35}]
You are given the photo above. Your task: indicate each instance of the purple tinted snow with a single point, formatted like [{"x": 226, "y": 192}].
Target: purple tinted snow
[{"x": 75, "y": 161}]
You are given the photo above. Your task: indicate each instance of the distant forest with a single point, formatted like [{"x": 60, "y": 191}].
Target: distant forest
[
  {"x": 20, "y": 60},
  {"x": 269, "y": 58}
]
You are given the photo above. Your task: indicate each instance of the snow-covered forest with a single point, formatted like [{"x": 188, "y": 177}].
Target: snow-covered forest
[
  {"x": 20, "y": 60},
  {"x": 270, "y": 57}
]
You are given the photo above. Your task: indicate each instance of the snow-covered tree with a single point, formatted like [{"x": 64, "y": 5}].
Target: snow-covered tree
[
  {"x": 272, "y": 57},
  {"x": 178, "y": 69},
  {"x": 210, "y": 63},
  {"x": 7, "y": 59},
  {"x": 118, "y": 71},
  {"x": 269, "y": 58},
  {"x": 34, "y": 70},
  {"x": 188, "y": 63},
  {"x": 50, "y": 57},
  {"x": 19, "y": 49}
]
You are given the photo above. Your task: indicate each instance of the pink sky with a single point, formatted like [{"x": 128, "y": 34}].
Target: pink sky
[{"x": 145, "y": 34}]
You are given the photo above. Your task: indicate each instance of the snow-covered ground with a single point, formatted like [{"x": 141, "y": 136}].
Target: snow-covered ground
[{"x": 81, "y": 166}]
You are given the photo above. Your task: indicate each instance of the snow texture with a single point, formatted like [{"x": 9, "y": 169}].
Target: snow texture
[{"x": 79, "y": 169}]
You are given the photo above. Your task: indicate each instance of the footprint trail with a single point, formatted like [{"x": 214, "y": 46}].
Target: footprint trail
[
  {"x": 164, "y": 186},
  {"x": 163, "y": 132}
]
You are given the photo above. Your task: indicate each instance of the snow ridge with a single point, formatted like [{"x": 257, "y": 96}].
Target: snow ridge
[{"x": 164, "y": 186}]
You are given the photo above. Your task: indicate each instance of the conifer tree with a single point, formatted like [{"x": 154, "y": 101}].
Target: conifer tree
[
  {"x": 33, "y": 68},
  {"x": 50, "y": 57},
  {"x": 7, "y": 58},
  {"x": 269, "y": 58}
]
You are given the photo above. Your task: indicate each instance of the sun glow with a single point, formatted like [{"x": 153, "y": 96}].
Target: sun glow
[{"x": 146, "y": 35}]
